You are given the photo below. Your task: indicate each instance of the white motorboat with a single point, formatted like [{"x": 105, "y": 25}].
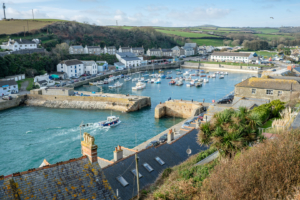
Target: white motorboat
[
  {"x": 178, "y": 73},
  {"x": 226, "y": 73},
  {"x": 213, "y": 76},
  {"x": 139, "y": 86},
  {"x": 221, "y": 77},
  {"x": 110, "y": 121},
  {"x": 198, "y": 84},
  {"x": 201, "y": 80},
  {"x": 127, "y": 79},
  {"x": 135, "y": 79},
  {"x": 179, "y": 83},
  {"x": 205, "y": 81},
  {"x": 158, "y": 81},
  {"x": 188, "y": 85},
  {"x": 116, "y": 85}
]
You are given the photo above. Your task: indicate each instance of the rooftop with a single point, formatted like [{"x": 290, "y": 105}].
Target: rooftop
[
  {"x": 9, "y": 82},
  {"x": 154, "y": 49},
  {"x": 77, "y": 47},
  {"x": 270, "y": 83},
  {"x": 230, "y": 54},
  {"x": 88, "y": 62},
  {"x": 118, "y": 63},
  {"x": 130, "y": 58},
  {"x": 126, "y": 54},
  {"x": 191, "y": 45},
  {"x": 73, "y": 179},
  {"x": 71, "y": 62},
  {"x": 137, "y": 48}
]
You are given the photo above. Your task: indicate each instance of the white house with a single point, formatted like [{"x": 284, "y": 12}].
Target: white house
[
  {"x": 78, "y": 49},
  {"x": 166, "y": 52},
  {"x": 154, "y": 52},
  {"x": 188, "y": 51},
  {"x": 202, "y": 50},
  {"x": 231, "y": 57},
  {"x": 93, "y": 50},
  {"x": 102, "y": 66},
  {"x": 209, "y": 49},
  {"x": 177, "y": 51},
  {"x": 15, "y": 45},
  {"x": 8, "y": 87},
  {"x": 71, "y": 67},
  {"x": 129, "y": 59},
  {"x": 124, "y": 49},
  {"x": 110, "y": 50},
  {"x": 90, "y": 67},
  {"x": 191, "y": 45},
  {"x": 43, "y": 81},
  {"x": 138, "y": 51}
]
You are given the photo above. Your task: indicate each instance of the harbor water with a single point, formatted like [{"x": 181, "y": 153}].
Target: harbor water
[{"x": 31, "y": 134}]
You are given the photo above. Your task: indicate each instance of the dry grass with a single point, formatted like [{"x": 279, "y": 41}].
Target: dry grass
[
  {"x": 270, "y": 170},
  {"x": 16, "y": 26}
]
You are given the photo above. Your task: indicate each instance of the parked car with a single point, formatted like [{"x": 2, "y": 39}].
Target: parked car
[
  {"x": 94, "y": 75},
  {"x": 88, "y": 77},
  {"x": 57, "y": 85},
  {"x": 82, "y": 79},
  {"x": 83, "y": 75},
  {"x": 153, "y": 143},
  {"x": 75, "y": 77},
  {"x": 99, "y": 74},
  {"x": 76, "y": 80},
  {"x": 71, "y": 81},
  {"x": 163, "y": 138},
  {"x": 224, "y": 101},
  {"x": 63, "y": 83},
  {"x": 187, "y": 123}
]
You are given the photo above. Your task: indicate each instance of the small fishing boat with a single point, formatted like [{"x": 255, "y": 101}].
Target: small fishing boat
[
  {"x": 208, "y": 76},
  {"x": 145, "y": 75},
  {"x": 110, "y": 121},
  {"x": 169, "y": 77},
  {"x": 172, "y": 82},
  {"x": 139, "y": 86},
  {"x": 226, "y": 73},
  {"x": 178, "y": 73},
  {"x": 135, "y": 79},
  {"x": 192, "y": 83},
  {"x": 116, "y": 85},
  {"x": 127, "y": 79},
  {"x": 177, "y": 69},
  {"x": 160, "y": 71},
  {"x": 158, "y": 81},
  {"x": 198, "y": 84},
  {"x": 163, "y": 76},
  {"x": 169, "y": 72},
  {"x": 203, "y": 75},
  {"x": 201, "y": 80},
  {"x": 188, "y": 85},
  {"x": 179, "y": 83},
  {"x": 205, "y": 80},
  {"x": 193, "y": 74},
  {"x": 221, "y": 77},
  {"x": 96, "y": 83},
  {"x": 105, "y": 82},
  {"x": 213, "y": 76}
]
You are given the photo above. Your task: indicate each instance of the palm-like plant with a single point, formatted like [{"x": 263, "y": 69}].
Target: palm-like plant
[{"x": 230, "y": 131}]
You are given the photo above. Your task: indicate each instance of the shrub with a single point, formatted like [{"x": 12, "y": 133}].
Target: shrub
[{"x": 270, "y": 170}]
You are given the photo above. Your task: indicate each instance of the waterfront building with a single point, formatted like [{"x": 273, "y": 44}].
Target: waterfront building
[
  {"x": 8, "y": 87},
  {"x": 154, "y": 52},
  {"x": 191, "y": 45},
  {"x": 202, "y": 50},
  {"x": 189, "y": 51},
  {"x": 231, "y": 57},
  {"x": 15, "y": 45},
  {"x": 110, "y": 50},
  {"x": 61, "y": 75},
  {"x": 96, "y": 50},
  {"x": 119, "y": 65},
  {"x": 80, "y": 178},
  {"x": 102, "y": 66},
  {"x": 90, "y": 67},
  {"x": 129, "y": 59},
  {"x": 71, "y": 67},
  {"x": 166, "y": 52},
  {"x": 138, "y": 51},
  {"x": 77, "y": 49},
  {"x": 124, "y": 49},
  {"x": 178, "y": 51},
  {"x": 209, "y": 49},
  {"x": 283, "y": 88},
  {"x": 152, "y": 162},
  {"x": 17, "y": 77}
]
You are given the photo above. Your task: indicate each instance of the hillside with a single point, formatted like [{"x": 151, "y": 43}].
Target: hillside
[
  {"x": 16, "y": 26},
  {"x": 52, "y": 32}
]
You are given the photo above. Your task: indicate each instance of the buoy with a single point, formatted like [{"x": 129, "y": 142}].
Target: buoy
[{"x": 213, "y": 101}]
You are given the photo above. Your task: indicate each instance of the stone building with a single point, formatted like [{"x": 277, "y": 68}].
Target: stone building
[{"x": 272, "y": 88}]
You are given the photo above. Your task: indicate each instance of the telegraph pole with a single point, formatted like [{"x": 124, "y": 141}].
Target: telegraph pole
[
  {"x": 24, "y": 31},
  {"x": 137, "y": 174},
  {"x": 4, "y": 10},
  {"x": 32, "y": 14}
]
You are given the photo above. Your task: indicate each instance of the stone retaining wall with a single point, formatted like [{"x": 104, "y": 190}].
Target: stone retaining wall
[
  {"x": 177, "y": 108},
  {"x": 5, "y": 104}
]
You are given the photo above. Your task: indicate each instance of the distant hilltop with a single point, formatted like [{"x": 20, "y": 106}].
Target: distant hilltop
[{"x": 207, "y": 25}]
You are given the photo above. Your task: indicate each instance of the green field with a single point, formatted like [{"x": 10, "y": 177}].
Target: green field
[
  {"x": 265, "y": 53},
  {"x": 266, "y": 30},
  {"x": 185, "y": 34},
  {"x": 269, "y": 36},
  {"x": 15, "y": 26},
  {"x": 49, "y": 20},
  {"x": 208, "y": 42}
]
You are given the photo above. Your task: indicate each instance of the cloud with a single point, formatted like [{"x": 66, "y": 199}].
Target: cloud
[
  {"x": 268, "y": 6},
  {"x": 288, "y": 10},
  {"x": 155, "y": 8}
]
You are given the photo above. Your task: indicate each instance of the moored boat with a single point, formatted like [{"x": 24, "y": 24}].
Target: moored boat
[
  {"x": 139, "y": 86},
  {"x": 179, "y": 83},
  {"x": 110, "y": 121},
  {"x": 172, "y": 82},
  {"x": 198, "y": 84},
  {"x": 221, "y": 77}
]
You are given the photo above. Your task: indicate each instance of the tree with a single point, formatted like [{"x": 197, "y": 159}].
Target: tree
[
  {"x": 230, "y": 131},
  {"x": 227, "y": 42},
  {"x": 236, "y": 43},
  {"x": 280, "y": 47}
]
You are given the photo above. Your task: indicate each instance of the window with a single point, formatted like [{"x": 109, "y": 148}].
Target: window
[
  {"x": 160, "y": 161},
  {"x": 269, "y": 92},
  {"x": 253, "y": 91},
  {"x": 122, "y": 181},
  {"x": 148, "y": 167},
  {"x": 279, "y": 93},
  {"x": 71, "y": 70},
  {"x": 134, "y": 173}
]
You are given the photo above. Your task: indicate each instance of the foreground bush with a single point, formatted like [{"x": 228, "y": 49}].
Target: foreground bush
[{"x": 270, "y": 170}]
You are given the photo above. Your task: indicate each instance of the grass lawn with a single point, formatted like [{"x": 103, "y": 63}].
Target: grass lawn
[
  {"x": 208, "y": 42},
  {"x": 30, "y": 83},
  {"x": 268, "y": 123},
  {"x": 266, "y": 53},
  {"x": 227, "y": 63},
  {"x": 185, "y": 34}
]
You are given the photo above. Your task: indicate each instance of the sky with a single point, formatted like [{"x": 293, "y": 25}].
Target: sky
[{"x": 170, "y": 13}]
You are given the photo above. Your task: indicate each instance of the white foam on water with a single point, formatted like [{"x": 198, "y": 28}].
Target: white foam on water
[{"x": 28, "y": 132}]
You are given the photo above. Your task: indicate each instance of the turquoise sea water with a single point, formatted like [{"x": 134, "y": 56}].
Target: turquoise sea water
[{"x": 30, "y": 134}]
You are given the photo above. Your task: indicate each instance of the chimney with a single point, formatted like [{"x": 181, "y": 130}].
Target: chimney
[
  {"x": 118, "y": 153},
  {"x": 89, "y": 148},
  {"x": 170, "y": 136},
  {"x": 20, "y": 39}
]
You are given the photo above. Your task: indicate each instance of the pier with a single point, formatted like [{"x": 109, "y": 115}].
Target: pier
[{"x": 61, "y": 98}]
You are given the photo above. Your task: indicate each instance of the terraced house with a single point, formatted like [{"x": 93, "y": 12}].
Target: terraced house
[
  {"x": 138, "y": 51},
  {"x": 97, "y": 50},
  {"x": 110, "y": 50},
  {"x": 15, "y": 45},
  {"x": 71, "y": 67},
  {"x": 154, "y": 52},
  {"x": 231, "y": 57},
  {"x": 77, "y": 49}
]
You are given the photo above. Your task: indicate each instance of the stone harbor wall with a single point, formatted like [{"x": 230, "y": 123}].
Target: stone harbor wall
[
  {"x": 118, "y": 102},
  {"x": 178, "y": 108},
  {"x": 16, "y": 101}
]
